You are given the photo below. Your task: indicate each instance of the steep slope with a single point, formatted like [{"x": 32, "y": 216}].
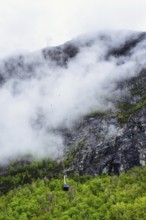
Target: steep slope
[
  {"x": 86, "y": 97},
  {"x": 112, "y": 141}
]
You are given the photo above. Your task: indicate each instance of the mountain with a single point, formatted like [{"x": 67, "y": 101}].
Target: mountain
[
  {"x": 108, "y": 141},
  {"x": 97, "y": 87}
]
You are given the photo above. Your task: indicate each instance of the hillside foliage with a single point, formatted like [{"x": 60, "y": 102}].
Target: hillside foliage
[{"x": 101, "y": 198}]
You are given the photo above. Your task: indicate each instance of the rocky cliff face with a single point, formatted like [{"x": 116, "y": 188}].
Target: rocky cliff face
[
  {"x": 107, "y": 141},
  {"x": 110, "y": 142}
]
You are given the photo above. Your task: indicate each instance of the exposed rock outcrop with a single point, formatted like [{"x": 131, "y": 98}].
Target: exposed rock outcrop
[{"x": 112, "y": 141}]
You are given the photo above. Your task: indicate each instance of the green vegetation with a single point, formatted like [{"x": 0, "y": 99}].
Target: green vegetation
[
  {"x": 101, "y": 198},
  {"x": 21, "y": 174},
  {"x": 97, "y": 114},
  {"x": 127, "y": 109}
]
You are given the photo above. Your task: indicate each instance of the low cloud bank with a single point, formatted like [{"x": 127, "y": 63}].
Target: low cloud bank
[{"x": 38, "y": 96}]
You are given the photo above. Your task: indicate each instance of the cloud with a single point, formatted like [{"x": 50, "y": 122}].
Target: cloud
[
  {"x": 40, "y": 97},
  {"x": 31, "y": 25}
]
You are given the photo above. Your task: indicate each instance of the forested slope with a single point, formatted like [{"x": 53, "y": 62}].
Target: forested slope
[{"x": 105, "y": 197}]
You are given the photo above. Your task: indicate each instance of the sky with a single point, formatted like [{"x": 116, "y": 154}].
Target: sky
[{"x": 30, "y": 25}]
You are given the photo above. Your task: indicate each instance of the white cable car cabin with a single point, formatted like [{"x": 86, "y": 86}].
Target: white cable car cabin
[{"x": 65, "y": 186}]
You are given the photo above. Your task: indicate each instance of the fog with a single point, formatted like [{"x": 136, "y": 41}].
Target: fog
[
  {"x": 30, "y": 25},
  {"x": 37, "y": 104}
]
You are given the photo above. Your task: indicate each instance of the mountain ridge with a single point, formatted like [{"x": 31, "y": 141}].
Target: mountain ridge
[{"x": 109, "y": 140}]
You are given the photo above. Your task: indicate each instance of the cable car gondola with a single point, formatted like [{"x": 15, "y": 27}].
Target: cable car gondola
[{"x": 65, "y": 186}]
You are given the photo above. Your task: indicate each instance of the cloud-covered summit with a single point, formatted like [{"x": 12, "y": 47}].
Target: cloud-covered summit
[{"x": 54, "y": 88}]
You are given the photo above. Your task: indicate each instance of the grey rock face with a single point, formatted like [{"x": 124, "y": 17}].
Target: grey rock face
[{"x": 104, "y": 144}]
